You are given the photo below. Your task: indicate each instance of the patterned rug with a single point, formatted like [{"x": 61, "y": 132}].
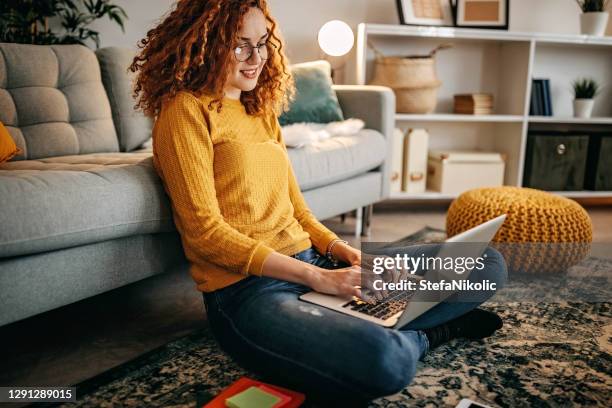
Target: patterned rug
[{"x": 546, "y": 355}]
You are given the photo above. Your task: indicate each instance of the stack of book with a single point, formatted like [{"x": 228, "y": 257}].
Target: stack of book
[
  {"x": 541, "y": 104},
  {"x": 474, "y": 104},
  {"x": 249, "y": 393}
]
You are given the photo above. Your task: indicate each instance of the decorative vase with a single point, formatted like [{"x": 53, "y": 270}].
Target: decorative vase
[
  {"x": 583, "y": 108},
  {"x": 594, "y": 23}
]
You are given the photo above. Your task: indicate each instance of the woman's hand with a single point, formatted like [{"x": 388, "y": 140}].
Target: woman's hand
[
  {"x": 340, "y": 281},
  {"x": 346, "y": 253},
  {"x": 352, "y": 256}
]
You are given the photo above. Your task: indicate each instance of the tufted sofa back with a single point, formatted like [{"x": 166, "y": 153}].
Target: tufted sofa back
[{"x": 53, "y": 102}]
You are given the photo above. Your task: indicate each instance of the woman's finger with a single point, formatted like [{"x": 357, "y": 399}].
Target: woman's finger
[{"x": 356, "y": 278}]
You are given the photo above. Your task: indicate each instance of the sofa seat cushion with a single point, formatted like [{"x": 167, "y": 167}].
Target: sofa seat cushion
[
  {"x": 337, "y": 158},
  {"x": 65, "y": 201}
]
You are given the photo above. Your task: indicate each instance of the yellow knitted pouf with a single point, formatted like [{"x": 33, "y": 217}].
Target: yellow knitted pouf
[{"x": 543, "y": 232}]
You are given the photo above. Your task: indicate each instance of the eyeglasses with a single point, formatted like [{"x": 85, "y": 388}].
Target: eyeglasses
[{"x": 245, "y": 51}]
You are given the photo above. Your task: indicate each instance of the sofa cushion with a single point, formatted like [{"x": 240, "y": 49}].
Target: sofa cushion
[
  {"x": 8, "y": 148},
  {"x": 337, "y": 158},
  {"x": 66, "y": 201},
  {"x": 315, "y": 99},
  {"x": 133, "y": 127},
  {"x": 53, "y": 102}
]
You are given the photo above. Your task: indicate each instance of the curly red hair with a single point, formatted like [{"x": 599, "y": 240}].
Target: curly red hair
[{"x": 191, "y": 50}]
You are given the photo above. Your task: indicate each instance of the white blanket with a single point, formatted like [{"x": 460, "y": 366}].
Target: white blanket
[{"x": 301, "y": 134}]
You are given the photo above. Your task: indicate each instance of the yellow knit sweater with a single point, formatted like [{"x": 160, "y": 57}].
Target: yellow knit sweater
[{"x": 235, "y": 198}]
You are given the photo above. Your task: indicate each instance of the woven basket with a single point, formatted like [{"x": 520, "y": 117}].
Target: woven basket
[
  {"x": 416, "y": 100},
  {"x": 413, "y": 79},
  {"x": 409, "y": 72}
]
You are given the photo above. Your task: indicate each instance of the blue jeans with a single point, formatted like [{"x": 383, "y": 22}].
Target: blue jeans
[{"x": 332, "y": 357}]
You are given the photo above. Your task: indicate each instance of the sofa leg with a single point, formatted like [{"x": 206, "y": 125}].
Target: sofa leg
[
  {"x": 342, "y": 217},
  {"x": 367, "y": 220},
  {"x": 358, "y": 221}
]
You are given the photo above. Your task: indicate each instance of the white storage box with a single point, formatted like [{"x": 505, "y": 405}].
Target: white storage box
[{"x": 453, "y": 172}]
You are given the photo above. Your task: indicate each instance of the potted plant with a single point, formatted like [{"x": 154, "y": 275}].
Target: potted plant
[
  {"x": 594, "y": 17},
  {"x": 584, "y": 91},
  {"x": 27, "y": 21}
]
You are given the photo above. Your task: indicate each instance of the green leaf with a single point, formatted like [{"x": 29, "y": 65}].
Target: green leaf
[{"x": 18, "y": 16}]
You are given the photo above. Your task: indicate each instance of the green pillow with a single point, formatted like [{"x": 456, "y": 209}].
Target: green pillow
[{"x": 315, "y": 100}]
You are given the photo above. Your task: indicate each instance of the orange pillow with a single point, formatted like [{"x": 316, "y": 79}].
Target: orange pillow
[{"x": 8, "y": 148}]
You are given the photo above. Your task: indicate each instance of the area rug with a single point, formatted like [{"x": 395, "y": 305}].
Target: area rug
[{"x": 546, "y": 355}]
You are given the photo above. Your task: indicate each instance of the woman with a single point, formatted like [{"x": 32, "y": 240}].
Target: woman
[{"x": 214, "y": 75}]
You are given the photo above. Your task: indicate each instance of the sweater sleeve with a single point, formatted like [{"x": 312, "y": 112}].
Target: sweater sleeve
[
  {"x": 320, "y": 235},
  {"x": 184, "y": 152}
]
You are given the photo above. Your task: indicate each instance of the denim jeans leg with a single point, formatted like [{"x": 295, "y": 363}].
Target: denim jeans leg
[{"x": 327, "y": 354}]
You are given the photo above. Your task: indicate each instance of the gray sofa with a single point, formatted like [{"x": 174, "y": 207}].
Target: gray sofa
[{"x": 82, "y": 210}]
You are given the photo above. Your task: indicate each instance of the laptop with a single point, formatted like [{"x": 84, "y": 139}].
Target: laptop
[{"x": 400, "y": 307}]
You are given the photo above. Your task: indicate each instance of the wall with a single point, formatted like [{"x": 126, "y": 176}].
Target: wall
[
  {"x": 300, "y": 20},
  {"x": 609, "y": 30}
]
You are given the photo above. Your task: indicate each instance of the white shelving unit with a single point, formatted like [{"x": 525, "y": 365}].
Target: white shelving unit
[
  {"x": 501, "y": 63},
  {"x": 452, "y": 117}
]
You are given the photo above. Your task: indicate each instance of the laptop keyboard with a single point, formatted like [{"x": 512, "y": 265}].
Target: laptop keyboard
[{"x": 395, "y": 301}]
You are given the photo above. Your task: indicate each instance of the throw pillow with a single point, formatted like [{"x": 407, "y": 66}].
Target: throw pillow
[
  {"x": 8, "y": 148},
  {"x": 315, "y": 99},
  {"x": 133, "y": 127}
]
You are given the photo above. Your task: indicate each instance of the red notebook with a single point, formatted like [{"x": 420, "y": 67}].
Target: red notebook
[{"x": 296, "y": 398}]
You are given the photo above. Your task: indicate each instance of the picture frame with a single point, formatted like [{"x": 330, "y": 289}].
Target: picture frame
[
  {"x": 425, "y": 12},
  {"x": 493, "y": 14}
]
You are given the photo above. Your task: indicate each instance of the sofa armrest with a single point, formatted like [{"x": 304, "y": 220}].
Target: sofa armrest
[{"x": 375, "y": 105}]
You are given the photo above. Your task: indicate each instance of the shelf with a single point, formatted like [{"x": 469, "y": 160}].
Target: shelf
[
  {"x": 452, "y": 117},
  {"x": 584, "y": 194},
  {"x": 428, "y": 195},
  {"x": 579, "y": 39},
  {"x": 434, "y": 195},
  {"x": 442, "y": 32},
  {"x": 482, "y": 34},
  {"x": 556, "y": 119}
]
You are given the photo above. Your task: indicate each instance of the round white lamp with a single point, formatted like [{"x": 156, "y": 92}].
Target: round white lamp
[{"x": 336, "y": 38}]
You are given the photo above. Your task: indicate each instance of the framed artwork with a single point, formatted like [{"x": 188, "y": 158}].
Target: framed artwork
[
  {"x": 482, "y": 13},
  {"x": 425, "y": 12}
]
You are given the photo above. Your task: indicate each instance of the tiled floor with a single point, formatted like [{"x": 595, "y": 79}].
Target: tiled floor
[{"x": 78, "y": 341}]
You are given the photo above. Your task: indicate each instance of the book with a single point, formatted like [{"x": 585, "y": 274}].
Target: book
[
  {"x": 244, "y": 383},
  {"x": 252, "y": 397},
  {"x": 284, "y": 398},
  {"x": 548, "y": 111},
  {"x": 473, "y": 104},
  {"x": 545, "y": 108},
  {"x": 532, "y": 105},
  {"x": 539, "y": 102}
]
